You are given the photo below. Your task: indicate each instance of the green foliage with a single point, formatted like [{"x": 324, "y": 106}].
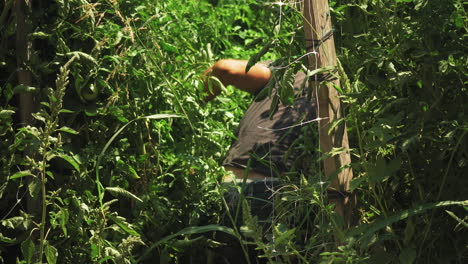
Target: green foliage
[
  {"x": 406, "y": 115},
  {"x": 122, "y": 161}
]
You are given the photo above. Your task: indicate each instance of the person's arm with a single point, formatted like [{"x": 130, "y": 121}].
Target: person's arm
[{"x": 232, "y": 72}]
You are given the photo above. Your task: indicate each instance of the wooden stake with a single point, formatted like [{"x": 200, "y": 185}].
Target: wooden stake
[
  {"x": 317, "y": 27},
  {"x": 23, "y": 55}
]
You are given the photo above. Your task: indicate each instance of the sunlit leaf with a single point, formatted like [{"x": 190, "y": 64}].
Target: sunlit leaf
[
  {"x": 21, "y": 174},
  {"x": 6, "y": 113},
  {"x": 6, "y": 240},
  {"x": 124, "y": 225},
  {"x": 68, "y": 130},
  {"x": 160, "y": 116},
  {"x": 94, "y": 250},
  {"x": 51, "y": 254},
  {"x": 34, "y": 187},
  {"x": 65, "y": 111},
  {"x": 70, "y": 160},
  {"x": 63, "y": 218},
  {"x": 169, "y": 47},
  {"x": 123, "y": 192},
  {"x": 24, "y": 89}
]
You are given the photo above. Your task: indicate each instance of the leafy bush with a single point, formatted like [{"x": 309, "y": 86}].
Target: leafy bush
[{"x": 121, "y": 162}]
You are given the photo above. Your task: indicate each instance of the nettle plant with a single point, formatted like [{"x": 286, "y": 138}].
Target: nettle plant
[{"x": 55, "y": 213}]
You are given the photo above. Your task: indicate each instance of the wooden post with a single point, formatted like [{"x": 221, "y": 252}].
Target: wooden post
[
  {"x": 23, "y": 56},
  {"x": 27, "y": 106},
  {"x": 317, "y": 27}
]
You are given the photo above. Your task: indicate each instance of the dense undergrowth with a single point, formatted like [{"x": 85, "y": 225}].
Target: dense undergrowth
[{"x": 122, "y": 161}]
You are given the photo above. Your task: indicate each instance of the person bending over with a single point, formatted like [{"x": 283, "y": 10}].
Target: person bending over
[
  {"x": 263, "y": 140},
  {"x": 262, "y": 148}
]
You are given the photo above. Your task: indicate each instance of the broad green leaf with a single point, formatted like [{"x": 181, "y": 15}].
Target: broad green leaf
[
  {"x": 6, "y": 240},
  {"x": 68, "y": 130},
  {"x": 21, "y": 174},
  {"x": 16, "y": 222},
  {"x": 94, "y": 250},
  {"x": 51, "y": 254},
  {"x": 23, "y": 89},
  {"x": 28, "y": 248},
  {"x": 127, "y": 168},
  {"x": 40, "y": 35},
  {"x": 169, "y": 47},
  {"x": 458, "y": 17},
  {"x": 66, "y": 111},
  {"x": 186, "y": 244},
  {"x": 124, "y": 225},
  {"x": 39, "y": 117},
  {"x": 318, "y": 71},
  {"x": 118, "y": 38},
  {"x": 70, "y": 160},
  {"x": 119, "y": 114},
  {"x": 123, "y": 192},
  {"x": 114, "y": 58},
  {"x": 6, "y": 113},
  {"x": 50, "y": 174},
  {"x": 34, "y": 187},
  {"x": 64, "y": 216},
  {"x": 338, "y": 88}
]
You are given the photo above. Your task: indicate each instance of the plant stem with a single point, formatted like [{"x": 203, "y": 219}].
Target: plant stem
[
  {"x": 43, "y": 216},
  {"x": 43, "y": 194}
]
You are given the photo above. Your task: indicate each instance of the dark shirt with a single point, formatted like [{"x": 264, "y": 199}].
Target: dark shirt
[{"x": 266, "y": 141}]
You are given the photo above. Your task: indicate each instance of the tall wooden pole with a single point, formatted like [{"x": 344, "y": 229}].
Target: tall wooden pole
[
  {"x": 23, "y": 55},
  {"x": 319, "y": 40},
  {"x": 22, "y": 9}
]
